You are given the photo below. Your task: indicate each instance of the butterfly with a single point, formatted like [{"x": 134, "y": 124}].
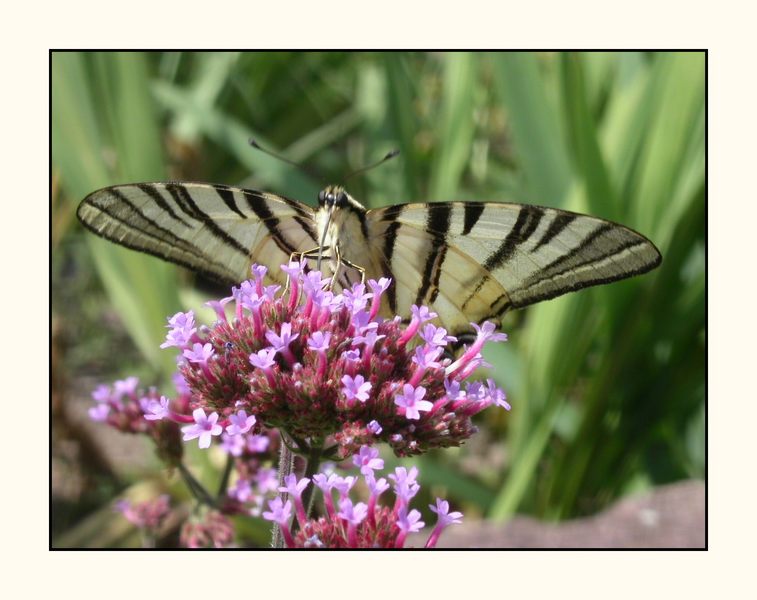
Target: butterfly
[{"x": 468, "y": 261}]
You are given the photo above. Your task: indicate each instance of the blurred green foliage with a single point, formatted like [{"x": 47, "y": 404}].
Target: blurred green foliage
[{"x": 607, "y": 385}]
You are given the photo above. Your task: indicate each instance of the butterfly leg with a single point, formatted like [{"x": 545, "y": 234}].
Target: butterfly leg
[
  {"x": 358, "y": 268},
  {"x": 303, "y": 256},
  {"x": 336, "y": 269}
]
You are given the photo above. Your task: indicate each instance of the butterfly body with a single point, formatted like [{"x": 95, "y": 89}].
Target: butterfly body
[{"x": 469, "y": 261}]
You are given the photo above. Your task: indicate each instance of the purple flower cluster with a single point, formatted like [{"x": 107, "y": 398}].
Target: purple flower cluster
[
  {"x": 325, "y": 367},
  {"x": 208, "y": 529},
  {"x": 357, "y": 525},
  {"x": 126, "y": 407},
  {"x": 148, "y": 514}
]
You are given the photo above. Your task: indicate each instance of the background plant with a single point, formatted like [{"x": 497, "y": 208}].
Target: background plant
[{"x": 607, "y": 385}]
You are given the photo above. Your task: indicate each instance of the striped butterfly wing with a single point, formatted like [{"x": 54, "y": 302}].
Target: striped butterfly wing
[
  {"x": 215, "y": 230},
  {"x": 473, "y": 261}
]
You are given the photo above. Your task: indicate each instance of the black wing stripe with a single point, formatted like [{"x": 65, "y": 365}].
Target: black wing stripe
[
  {"x": 587, "y": 241},
  {"x": 228, "y": 199},
  {"x": 259, "y": 205},
  {"x": 307, "y": 226},
  {"x": 579, "y": 285},
  {"x": 473, "y": 211},
  {"x": 160, "y": 201},
  {"x": 550, "y": 275},
  {"x": 526, "y": 223},
  {"x": 184, "y": 200},
  {"x": 302, "y": 210},
  {"x": 560, "y": 222},
  {"x": 168, "y": 235},
  {"x": 437, "y": 225},
  {"x": 390, "y": 238}
]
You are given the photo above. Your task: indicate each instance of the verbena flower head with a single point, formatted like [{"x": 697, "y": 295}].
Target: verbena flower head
[
  {"x": 209, "y": 529},
  {"x": 352, "y": 524},
  {"x": 325, "y": 367},
  {"x": 148, "y": 514}
]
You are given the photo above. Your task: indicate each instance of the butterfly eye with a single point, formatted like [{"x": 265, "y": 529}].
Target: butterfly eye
[
  {"x": 321, "y": 197},
  {"x": 342, "y": 199}
]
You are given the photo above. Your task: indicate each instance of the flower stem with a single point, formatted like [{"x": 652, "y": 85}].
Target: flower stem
[
  {"x": 314, "y": 461},
  {"x": 197, "y": 489},
  {"x": 286, "y": 461},
  {"x": 226, "y": 475}
]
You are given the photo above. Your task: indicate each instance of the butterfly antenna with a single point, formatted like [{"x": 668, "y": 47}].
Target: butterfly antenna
[
  {"x": 305, "y": 169},
  {"x": 388, "y": 156}
]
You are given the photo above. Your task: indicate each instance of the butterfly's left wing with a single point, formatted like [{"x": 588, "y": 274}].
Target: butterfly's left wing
[
  {"x": 215, "y": 230},
  {"x": 472, "y": 261}
]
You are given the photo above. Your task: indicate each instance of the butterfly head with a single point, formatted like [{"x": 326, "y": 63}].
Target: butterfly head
[{"x": 333, "y": 196}]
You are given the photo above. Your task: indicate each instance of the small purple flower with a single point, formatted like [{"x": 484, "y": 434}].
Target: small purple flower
[
  {"x": 293, "y": 270},
  {"x": 200, "y": 353},
  {"x": 218, "y": 307},
  {"x": 425, "y": 356},
  {"x": 125, "y": 387},
  {"x": 453, "y": 390},
  {"x": 497, "y": 395},
  {"x": 205, "y": 427},
  {"x": 181, "y": 329},
  {"x": 405, "y": 484},
  {"x": 411, "y": 399},
  {"x": 420, "y": 314},
  {"x": 240, "y": 423},
  {"x": 314, "y": 282},
  {"x": 157, "y": 409},
  {"x": 181, "y": 385},
  {"x": 352, "y": 355},
  {"x": 242, "y": 490},
  {"x": 294, "y": 487},
  {"x": 326, "y": 482},
  {"x": 356, "y": 388},
  {"x": 378, "y": 288},
  {"x": 368, "y": 460},
  {"x": 101, "y": 393},
  {"x": 376, "y": 487},
  {"x": 319, "y": 341},
  {"x": 353, "y": 514},
  {"x": 263, "y": 359},
  {"x": 279, "y": 513},
  {"x": 257, "y": 443},
  {"x": 356, "y": 299},
  {"x": 374, "y": 427},
  {"x": 442, "y": 511},
  {"x": 445, "y": 518},
  {"x": 247, "y": 296},
  {"x": 280, "y": 342},
  {"x": 410, "y": 522},
  {"x": 363, "y": 323},
  {"x": 267, "y": 480},
  {"x": 344, "y": 484},
  {"x": 436, "y": 336},
  {"x": 99, "y": 412},
  {"x": 232, "y": 444},
  {"x": 258, "y": 272}
]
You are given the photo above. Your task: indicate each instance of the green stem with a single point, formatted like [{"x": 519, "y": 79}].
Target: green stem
[
  {"x": 226, "y": 475},
  {"x": 286, "y": 461},
  {"x": 314, "y": 460},
  {"x": 197, "y": 489}
]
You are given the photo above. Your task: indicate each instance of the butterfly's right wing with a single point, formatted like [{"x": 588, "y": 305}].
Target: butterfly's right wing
[
  {"x": 473, "y": 261},
  {"x": 215, "y": 230}
]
